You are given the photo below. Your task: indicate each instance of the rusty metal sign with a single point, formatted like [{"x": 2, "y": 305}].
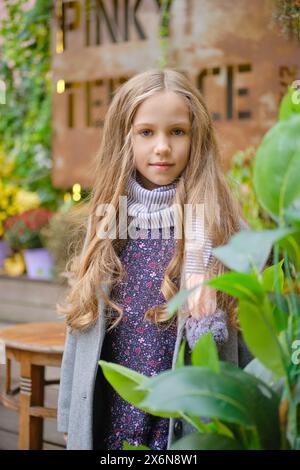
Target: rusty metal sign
[{"x": 230, "y": 49}]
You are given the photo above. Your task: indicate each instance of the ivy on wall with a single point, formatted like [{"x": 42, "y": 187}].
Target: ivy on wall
[
  {"x": 25, "y": 124},
  {"x": 164, "y": 32},
  {"x": 287, "y": 15}
]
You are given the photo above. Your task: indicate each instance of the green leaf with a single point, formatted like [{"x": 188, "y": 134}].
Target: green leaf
[
  {"x": 289, "y": 106},
  {"x": 127, "y": 446},
  {"x": 198, "y": 441},
  {"x": 280, "y": 317},
  {"x": 291, "y": 243},
  {"x": 277, "y": 167},
  {"x": 249, "y": 249},
  {"x": 280, "y": 301},
  {"x": 232, "y": 396},
  {"x": 259, "y": 332},
  {"x": 221, "y": 428},
  {"x": 181, "y": 354},
  {"x": 199, "y": 392},
  {"x": 124, "y": 381},
  {"x": 198, "y": 423},
  {"x": 271, "y": 276},
  {"x": 258, "y": 370},
  {"x": 292, "y": 213},
  {"x": 265, "y": 403},
  {"x": 240, "y": 285},
  {"x": 293, "y": 432},
  {"x": 205, "y": 353}
]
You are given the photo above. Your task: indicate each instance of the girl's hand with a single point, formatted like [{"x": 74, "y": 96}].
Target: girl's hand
[
  {"x": 203, "y": 300},
  {"x": 65, "y": 436}
]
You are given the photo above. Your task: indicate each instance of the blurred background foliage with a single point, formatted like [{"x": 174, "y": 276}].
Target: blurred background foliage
[
  {"x": 25, "y": 126},
  {"x": 287, "y": 15}
]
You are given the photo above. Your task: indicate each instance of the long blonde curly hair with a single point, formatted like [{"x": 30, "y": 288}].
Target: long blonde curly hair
[{"x": 202, "y": 181}]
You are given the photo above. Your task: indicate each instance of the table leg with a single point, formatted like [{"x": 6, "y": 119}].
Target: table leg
[
  {"x": 8, "y": 376},
  {"x": 31, "y": 393}
]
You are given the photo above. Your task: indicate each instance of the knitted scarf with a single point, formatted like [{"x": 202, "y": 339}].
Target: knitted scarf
[{"x": 151, "y": 208}]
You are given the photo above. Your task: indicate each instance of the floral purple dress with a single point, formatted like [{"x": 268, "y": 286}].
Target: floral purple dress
[{"x": 138, "y": 344}]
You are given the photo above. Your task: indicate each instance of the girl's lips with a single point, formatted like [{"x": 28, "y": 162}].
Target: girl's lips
[{"x": 161, "y": 167}]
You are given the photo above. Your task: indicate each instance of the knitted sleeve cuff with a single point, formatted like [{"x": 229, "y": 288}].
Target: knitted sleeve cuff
[{"x": 216, "y": 323}]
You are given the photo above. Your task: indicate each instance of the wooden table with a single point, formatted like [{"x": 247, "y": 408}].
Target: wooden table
[{"x": 34, "y": 346}]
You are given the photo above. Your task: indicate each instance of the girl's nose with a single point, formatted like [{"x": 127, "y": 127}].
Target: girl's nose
[{"x": 162, "y": 147}]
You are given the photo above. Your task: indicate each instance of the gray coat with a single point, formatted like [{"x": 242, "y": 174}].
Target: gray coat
[{"x": 78, "y": 375}]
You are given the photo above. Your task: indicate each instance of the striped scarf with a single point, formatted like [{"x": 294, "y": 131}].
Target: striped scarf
[{"x": 153, "y": 209}]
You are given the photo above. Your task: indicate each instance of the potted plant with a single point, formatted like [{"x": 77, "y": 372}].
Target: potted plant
[{"x": 23, "y": 233}]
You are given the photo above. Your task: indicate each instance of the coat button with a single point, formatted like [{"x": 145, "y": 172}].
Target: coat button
[{"x": 178, "y": 428}]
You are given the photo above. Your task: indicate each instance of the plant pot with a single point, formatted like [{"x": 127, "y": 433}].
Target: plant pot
[
  {"x": 5, "y": 251},
  {"x": 39, "y": 263}
]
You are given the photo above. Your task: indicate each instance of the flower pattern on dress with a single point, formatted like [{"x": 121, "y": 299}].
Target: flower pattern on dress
[{"x": 137, "y": 343}]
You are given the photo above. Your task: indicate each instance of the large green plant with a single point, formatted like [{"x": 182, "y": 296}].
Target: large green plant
[
  {"x": 25, "y": 124},
  {"x": 241, "y": 173},
  {"x": 258, "y": 407}
]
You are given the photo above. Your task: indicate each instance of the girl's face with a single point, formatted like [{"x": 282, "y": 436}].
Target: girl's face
[{"x": 161, "y": 134}]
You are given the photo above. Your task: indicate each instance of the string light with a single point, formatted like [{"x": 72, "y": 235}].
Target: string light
[
  {"x": 76, "y": 192},
  {"x": 59, "y": 42},
  {"x": 59, "y": 33},
  {"x": 60, "y": 86}
]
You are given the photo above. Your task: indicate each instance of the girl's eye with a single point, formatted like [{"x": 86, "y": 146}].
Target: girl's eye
[
  {"x": 145, "y": 130},
  {"x": 148, "y": 130},
  {"x": 179, "y": 130}
]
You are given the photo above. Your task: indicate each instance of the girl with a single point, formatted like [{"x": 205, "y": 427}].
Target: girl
[{"x": 159, "y": 149}]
